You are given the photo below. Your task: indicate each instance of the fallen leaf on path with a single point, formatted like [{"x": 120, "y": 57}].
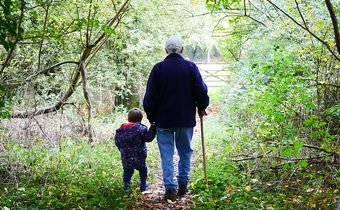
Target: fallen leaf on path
[
  {"x": 146, "y": 192},
  {"x": 170, "y": 201}
]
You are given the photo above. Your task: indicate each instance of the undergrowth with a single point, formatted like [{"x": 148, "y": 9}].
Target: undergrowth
[
  {"x": 71, "y": 175},
  {"x": 255, "y": 184}
]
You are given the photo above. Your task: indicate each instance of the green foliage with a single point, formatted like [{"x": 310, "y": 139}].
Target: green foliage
[
  {"x": 280, "y": 124},
  {"x": 71, "y": 175},
  {"x": 238, "y": 185},
  {"x": 281, "y": 116},
  {"x": 9, "y": 28},
  {"x": 214, "y": 5},
  {"x": 5, "y": 104}
]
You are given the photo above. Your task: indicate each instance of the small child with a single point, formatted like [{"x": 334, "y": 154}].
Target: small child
[{"x": 130, "y": 139}]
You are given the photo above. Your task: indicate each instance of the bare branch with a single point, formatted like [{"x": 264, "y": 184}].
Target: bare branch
[
  {"x": 114, "y": 5},
  {"x": 40, "y": 127},
  {"x": 58, "y": 105},
  {"x": 306, "y": 29},
  {"x": 269, "y": 17},
  {"x": 252, "y": 158},
  {"x": 256, "y": 20},
  {"x": 113, "y": 20},
  {"x": 303, "y": 19},
  {"x": 316, "y": 148},
  {"x": 88, "y": 37},
  {"x": 245, "y": 7},
  {"x": 220, "y": 20},
  {"x": 43, "y": 36},
  {"x": 209, "y": 13},
  {"x": 101, "y": 44},
  {"x": 249, "y": 16},
  {"x": 233, "y": 54},
  {"x": 335, "y": 24},
  {"x": 80, "y": 31},
  {"x": 236, "y": 15},
  {"x": 48, "y": 69},
  {"x": 88, "y": 51}
]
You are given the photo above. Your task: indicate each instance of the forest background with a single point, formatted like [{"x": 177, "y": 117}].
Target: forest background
[{"x": 71, "y": 69}]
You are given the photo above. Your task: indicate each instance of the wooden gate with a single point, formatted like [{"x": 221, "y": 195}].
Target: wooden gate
[{"x": 215, "y": 75}]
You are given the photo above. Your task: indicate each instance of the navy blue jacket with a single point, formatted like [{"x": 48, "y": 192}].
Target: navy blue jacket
[
  {"x": 175, "y": 88},
  {"x": 130, "y": 140}
]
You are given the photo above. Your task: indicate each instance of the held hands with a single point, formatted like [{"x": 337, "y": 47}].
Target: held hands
[{"x": 202, "y": 113}]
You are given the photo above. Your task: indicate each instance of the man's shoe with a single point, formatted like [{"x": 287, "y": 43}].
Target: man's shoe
[
  {"x": 182, "y": 188},
  {"x": 170, "y": 194}
]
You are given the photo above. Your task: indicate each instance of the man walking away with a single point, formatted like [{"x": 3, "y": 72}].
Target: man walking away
[{"x": 175, "y": 90}]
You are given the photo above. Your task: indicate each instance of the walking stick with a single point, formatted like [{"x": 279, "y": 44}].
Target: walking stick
[{"x": 203, "y": 151}]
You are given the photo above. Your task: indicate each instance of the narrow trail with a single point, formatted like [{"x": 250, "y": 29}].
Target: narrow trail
[{"x": 153, "y": 198}]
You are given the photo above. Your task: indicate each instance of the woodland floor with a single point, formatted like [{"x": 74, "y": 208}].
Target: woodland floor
[{"x": 153, "y": 198}]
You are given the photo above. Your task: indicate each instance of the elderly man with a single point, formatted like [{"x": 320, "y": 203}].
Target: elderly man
[{"x": 175, "y": 89}]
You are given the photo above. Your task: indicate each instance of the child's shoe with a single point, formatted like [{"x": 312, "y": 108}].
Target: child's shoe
[
  {"x": 144, "y": 186},
  {"x": 127, "y": 188}
]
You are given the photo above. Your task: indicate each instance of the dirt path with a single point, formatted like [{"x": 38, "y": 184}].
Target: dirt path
[{"x": 153, "y": 198}]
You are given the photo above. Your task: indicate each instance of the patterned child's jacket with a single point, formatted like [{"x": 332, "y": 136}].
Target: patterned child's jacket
[{"x": 130, "y": 139}]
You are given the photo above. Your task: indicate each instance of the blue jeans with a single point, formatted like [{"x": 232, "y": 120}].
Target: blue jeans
[
  {"x": 127, "y": 174},
  {"x": 166, "y": 138}
]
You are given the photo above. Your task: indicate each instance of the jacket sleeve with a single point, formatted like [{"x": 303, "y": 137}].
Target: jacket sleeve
[
  {"x": 117, "y": 140},
  {"x": 200, "y": 90},
  {"x": 150, "y": 134},
  {"x": 150, "y": 98}
]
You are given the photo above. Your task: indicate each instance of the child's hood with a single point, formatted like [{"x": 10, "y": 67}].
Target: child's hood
[
  {"x": 127, "y": 125},
  {"x": 128, "y": 131}
]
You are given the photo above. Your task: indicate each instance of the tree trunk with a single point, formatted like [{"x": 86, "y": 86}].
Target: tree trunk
[
  {"x": 88, "y": 100},
  {"x": 335, "y": 24}
]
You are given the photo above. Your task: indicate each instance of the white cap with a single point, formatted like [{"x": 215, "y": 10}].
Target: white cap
[{"x": 173, "y": 42}]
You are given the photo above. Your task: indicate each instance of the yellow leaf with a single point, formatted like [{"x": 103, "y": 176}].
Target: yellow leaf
[
  {"x": 248, "y": 188},
  {"x": 170, "y": 201},
  {"x": 229, "y": 189}
]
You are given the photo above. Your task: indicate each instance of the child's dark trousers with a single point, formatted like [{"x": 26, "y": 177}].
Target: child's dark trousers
[{"x": 143, "y": 174}]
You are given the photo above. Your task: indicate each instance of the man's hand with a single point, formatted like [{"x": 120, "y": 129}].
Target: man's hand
[{"x": 202, "y": 113}]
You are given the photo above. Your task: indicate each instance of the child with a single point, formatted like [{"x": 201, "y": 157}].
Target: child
[{"x": 130, "y": 139}]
